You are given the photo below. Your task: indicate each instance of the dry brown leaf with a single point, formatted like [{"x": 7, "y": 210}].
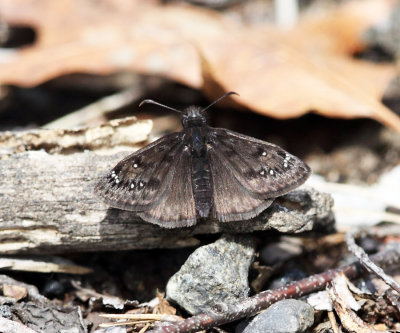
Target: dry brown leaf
[
  {"x": 280, "y": 74},
  {"x": 308, "y": 69},
  {"x": 163, "y": 306},
  {"x": 340, "y": 297},
  {"x": 101, "y": 37}
]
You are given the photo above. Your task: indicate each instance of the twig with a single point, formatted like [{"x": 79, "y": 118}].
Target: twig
[
  {"x": 93, "y": 111},
  {"x": 367, "y": 263},
  {"x": 141, "y": 316},
  {"x": 137, "y": 318},
  {"x": 144, "y": 329},
  {"x": 261, "y": 301}
]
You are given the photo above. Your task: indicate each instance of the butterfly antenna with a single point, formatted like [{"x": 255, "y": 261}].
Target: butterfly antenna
[
  {"x": 150, "y": 101},
  {"x": 222, "y": 97}
]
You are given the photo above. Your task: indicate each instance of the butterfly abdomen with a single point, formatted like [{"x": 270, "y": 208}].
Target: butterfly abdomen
[
  {"x": 202, "y": 185},
  {"x": 195, "y": 140}
]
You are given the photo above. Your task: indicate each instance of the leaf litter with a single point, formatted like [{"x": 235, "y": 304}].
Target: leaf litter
[{"x": 278, "y": 73}]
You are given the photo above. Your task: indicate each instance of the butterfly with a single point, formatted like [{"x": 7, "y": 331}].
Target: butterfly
[{"x": 201, "y": 172}]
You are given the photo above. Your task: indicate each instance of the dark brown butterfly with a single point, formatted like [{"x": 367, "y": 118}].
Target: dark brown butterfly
[{"x": 201, "y": 172}]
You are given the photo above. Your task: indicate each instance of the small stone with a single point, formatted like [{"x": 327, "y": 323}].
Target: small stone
[
  {"x": 5, "y": 311},
  {"x": 287, "y": 316},
  {"x": 213, "y": 275},
  {"x": 14, "y": 291}
]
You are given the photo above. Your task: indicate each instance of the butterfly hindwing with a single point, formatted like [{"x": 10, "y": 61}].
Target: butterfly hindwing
[
  {"x": 176, "y": 207},
  {"x": 262, "y": 168},
  {"x": 232, "y": 202},
  {"x": 139, "y": 180}
]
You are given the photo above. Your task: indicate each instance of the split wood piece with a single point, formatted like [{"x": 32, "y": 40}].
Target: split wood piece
[
  {"x": 42, "y": 265},
  {"x": 47, "y": 205},
  {"x": 118, "y": 132}
]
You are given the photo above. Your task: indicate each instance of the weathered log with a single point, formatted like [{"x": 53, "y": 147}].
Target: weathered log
[{"x": 47, "y": 205}]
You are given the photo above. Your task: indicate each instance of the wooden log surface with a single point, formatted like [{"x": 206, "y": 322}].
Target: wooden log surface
[{"x": 47, "y": 205}]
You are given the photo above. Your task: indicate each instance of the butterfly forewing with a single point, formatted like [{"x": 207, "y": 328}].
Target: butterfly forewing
[
  {"x": 176, "y": 207},
  {"x": 262, "y": 168},
  {"x": 139, "y": 180}
]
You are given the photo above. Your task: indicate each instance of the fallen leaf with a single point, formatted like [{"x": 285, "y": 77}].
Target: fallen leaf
[
  {"x": 163, "y": 306},
  {"x": 307, "y": 69},
  {"x": 277, "y": 73},
  {"x": 343, "y": 303}
]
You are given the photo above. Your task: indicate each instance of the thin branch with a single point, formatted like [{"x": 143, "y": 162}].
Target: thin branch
[
  {"x": 366, "y": 261},
  {"x": 93, "y": 111},
  {"x": 252, "y": 305}
]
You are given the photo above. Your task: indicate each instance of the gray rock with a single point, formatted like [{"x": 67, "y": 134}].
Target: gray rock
[
  {"x": 5, "y": 311},
  {"x": 214, "y": 274},
  {"x": 302, "y": 210},
  {"x": 287, "y": 316}
]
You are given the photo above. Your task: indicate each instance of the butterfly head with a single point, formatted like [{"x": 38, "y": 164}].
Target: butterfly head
[{"x": 193, "y": 116}]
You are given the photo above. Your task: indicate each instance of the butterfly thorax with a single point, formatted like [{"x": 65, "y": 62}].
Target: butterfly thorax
[{"x": 195, "y": 129}]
